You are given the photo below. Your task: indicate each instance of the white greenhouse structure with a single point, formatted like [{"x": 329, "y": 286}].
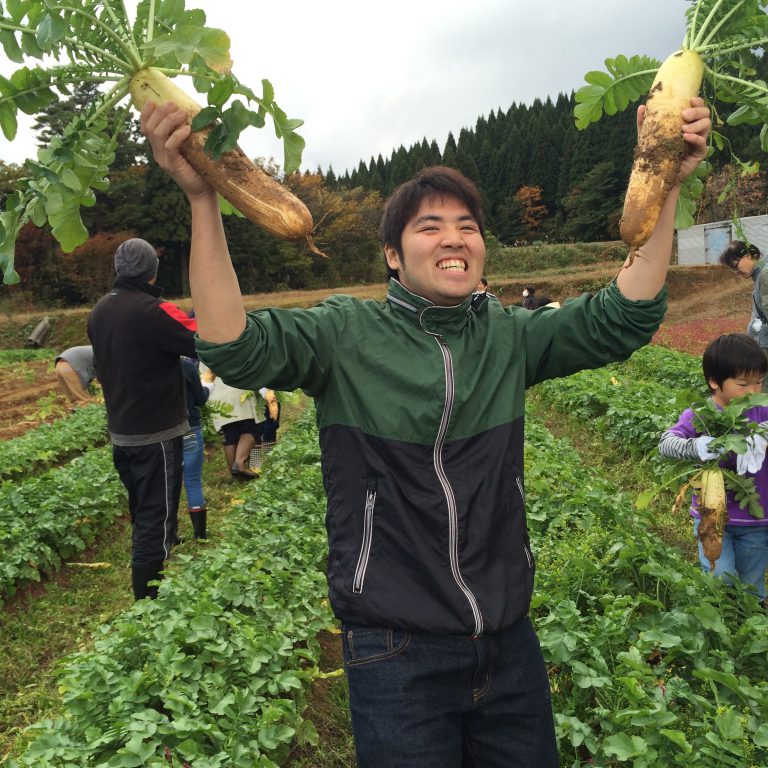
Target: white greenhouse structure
[{"x": 704, "y": 243}]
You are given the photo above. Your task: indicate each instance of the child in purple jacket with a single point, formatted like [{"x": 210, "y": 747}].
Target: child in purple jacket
[{"x": 734, "y": 366}]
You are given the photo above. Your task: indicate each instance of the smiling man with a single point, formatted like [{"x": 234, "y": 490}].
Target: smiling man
[
  {"x": 443, "y": 237},
  {"x": 420, "y": 405}
]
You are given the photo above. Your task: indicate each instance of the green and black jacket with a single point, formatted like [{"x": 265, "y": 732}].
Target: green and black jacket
[{"x": 421, "y": 412}]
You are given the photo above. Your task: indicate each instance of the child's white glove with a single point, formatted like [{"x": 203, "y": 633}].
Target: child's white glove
[
  {"x": 702, "y": 448},
  {"x": 753, "y": 459}
]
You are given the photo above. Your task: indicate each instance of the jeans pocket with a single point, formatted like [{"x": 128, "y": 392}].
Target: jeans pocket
[{"x": 364, "y": 645}]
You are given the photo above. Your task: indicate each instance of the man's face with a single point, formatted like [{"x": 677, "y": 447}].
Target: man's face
[{"x": 443, "y": 252}]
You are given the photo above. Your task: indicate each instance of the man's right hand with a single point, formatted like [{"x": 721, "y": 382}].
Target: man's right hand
[{"x": 165, "y": 126}]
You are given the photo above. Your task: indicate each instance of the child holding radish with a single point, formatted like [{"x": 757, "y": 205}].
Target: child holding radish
[
  {"x": 734, "y": 366},
  {"x": 420, "y": 404}
]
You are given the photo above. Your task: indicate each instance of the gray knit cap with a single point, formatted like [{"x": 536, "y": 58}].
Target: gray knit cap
[{"x": 136, "y": 258}]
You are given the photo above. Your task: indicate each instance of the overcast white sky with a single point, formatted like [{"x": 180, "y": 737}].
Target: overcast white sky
[{"x": 367, "y": 77}]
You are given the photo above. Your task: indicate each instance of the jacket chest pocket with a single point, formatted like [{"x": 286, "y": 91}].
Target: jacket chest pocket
[{"x": 367, "y": 539}]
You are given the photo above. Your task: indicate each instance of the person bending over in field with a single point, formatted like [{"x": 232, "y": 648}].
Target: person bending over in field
[
  {"x": 420, "y": 407},
  {"x": 734, "y": 366},
  {"x": 75, "y": 371},
  {"x": 239, "y": 427},
  {"x": 748, "y": 262}
]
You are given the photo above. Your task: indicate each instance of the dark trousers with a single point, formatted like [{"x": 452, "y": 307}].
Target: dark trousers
[
  {"x": 426, "y": 701},
  {"x": 152, "y": 475}
]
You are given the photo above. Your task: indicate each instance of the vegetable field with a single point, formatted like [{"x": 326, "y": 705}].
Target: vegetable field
[
  {"x": 28, "y": 393},
  {"x": 651, "y": 662}
]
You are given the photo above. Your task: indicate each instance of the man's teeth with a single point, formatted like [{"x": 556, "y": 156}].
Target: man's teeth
[{"x": 456, "y": 264}]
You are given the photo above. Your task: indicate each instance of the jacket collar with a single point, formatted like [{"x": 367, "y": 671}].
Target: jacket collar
[
  {"x": 133, "y": 284},
  {"x": 433, "y": 318}
]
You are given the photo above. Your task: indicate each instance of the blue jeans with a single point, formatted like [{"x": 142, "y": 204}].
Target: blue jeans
[
  {"x": 745, "y": 554},
  {"x": 193, "y": 468},
  {"x": 427, "y": 701}
]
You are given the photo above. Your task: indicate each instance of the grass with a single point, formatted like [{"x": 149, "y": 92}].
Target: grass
[
  {"x": 49, "y": 620},
  {"x": 45, "y": 622},
  {"x": 328, "y": 709}
]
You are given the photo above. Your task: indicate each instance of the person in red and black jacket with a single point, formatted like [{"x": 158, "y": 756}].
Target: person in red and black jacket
[{"x": 138, "y": 340}]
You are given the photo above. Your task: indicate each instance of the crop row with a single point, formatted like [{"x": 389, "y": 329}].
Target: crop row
[
  {"x": 652, "y": 662},
  {"x": 666, "y": 367},
  {"x": 54, "y": 515},
  {"x": 624, "y": 402},
  {"x": 51, "y": 443},
  {"x": 214, "y": 672}
]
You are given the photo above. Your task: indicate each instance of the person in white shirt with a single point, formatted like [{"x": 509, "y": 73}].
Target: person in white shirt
[{"x": 239, "y": 428}]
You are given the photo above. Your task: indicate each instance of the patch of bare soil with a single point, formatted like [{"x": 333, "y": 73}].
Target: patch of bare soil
[
  {"x": 707, "y": 293},
  {"x": 28, "y": 397}
]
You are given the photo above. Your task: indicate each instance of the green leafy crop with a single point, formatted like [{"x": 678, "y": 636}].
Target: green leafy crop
[{"x": 81, "y": 41}]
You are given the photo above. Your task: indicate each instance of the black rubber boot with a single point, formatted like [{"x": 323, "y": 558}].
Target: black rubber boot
[
  {"x": 199, "y": 518},
  {"x": 141, "y": 575}
]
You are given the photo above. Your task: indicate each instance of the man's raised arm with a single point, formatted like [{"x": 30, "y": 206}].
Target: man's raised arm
[
  {"x": 216, "y": 293},
  {"x": 645, "y": 277}
]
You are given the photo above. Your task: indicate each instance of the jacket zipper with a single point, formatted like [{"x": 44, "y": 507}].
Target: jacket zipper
[
  {"x": 528, "y": 555},
  {"x": 365, "y": 549},
  {"x": 437, "y": 457},
  {"x": 520, "y": 488}
]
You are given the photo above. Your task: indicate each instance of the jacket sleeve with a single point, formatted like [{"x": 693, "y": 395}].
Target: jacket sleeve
[
  {"x": 588, "y": 332},
  {"x": 195, "y": 388},
  {"x": 762, "y": 286},
  {"x": 172, "y": 334},
  {"x": 283, "y": 349},
  {"x": 678, "y": 442}
]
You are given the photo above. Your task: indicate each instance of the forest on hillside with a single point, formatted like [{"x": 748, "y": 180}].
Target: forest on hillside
[{"x": 540, "y": 179}]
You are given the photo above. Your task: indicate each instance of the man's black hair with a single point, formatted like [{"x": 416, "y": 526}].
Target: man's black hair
[
  {"x": 732, "y": 254},
  {"x": 732, "y": 355},
  {"x": 404, "y": 203}
]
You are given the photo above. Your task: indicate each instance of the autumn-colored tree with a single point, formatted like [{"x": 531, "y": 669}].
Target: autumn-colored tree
[
  {"x": 533, "y": 212},
  {"x": 346, "y": 223},
  {"x": 89, "y": 270},
  {"x": 37, "y": 264}
]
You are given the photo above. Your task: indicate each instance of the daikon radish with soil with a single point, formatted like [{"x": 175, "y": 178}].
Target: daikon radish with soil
[
  {"x": 712, "y": 509},
  {"x": 234, "y": 176},
  {"x": 723, "y": 45},
  {"x": 660, "y": 146}
]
